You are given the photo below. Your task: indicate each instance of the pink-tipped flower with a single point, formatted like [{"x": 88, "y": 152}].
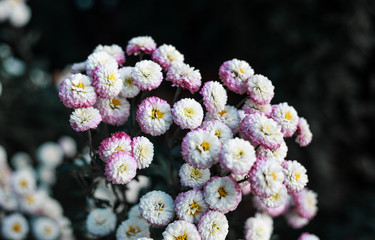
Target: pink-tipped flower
[
  {"x": 118, "y": 142},
  {"x": 251, "y": 107},
  {"x": 276, "y": 200},
  {"x": 219, "y": 129},
  {"x": 106, "y": 81},
  {"x": 147, "y": 75},
  {"x": 306, "y": 203},
  {"x": 83, "y": 119},
  {"x": 182, "y": 75},
  {"x": 229, "y": 116},
  {"x": 193, "y": 177},
  {"x": 181, "y": 230},
  {"x": 129, "y": 90},
  {"x": 114, "y": 50},
  {"x": 259, "y": 227},
  {"x": 295, "y": 220},
  {"x": 295, "y": 176},
  {"x": 262, "y": 130},
  {"x": 166, "y": 55},
  {"x": 234, "y": 74},
  {"x": 214, "y": 96},
  {"x": 260, "y": 89},
  {"x": 77, "y": 92},
  {"x": 154, "y": 116},
  {"x": 213, "y": 225},
  {"x": 287, "y": 118},
  {"x": 273, "y": 212},
  {"x": 304, "y": 134},
  {"x": 187, "y": 113},
  {"x": 120, "y": 168},
  {"x": 190, "y": 206},
  {"x": 308, "y": 236},
  {"x": 114, "y": 111},
  {"x": 142, "y": 44},
  {"x": 99, "y": 58},
  {"x": 222, "y": 194},
  {"x": 143, "y": 151},
  {"x": 278, "y": 154}
]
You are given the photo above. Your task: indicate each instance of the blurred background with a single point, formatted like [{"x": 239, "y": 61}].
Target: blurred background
[{"x": 320, "y": 55}]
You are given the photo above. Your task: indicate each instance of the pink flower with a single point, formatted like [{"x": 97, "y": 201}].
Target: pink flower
[
  {"x": 83, "y": 119},
  {"x": 147, "y": 75},
  {"x": 106, "y": 81},
  {"x": 287, "y": 118},
  {"x": 234, "y": 74},
  {"x": 138, "y": 45},
  {"x": 182, "y": 75},
  {"x": 260, "y": 89},
  {"x": 166, "y": 55},
  {"x": 304, "y": 133},
  {"x": 114, "y": 111},
  {"x": 306, "y": 203},
  {"x": 214, "y": 96},
  {"x": 120, "y": 168},
  {"x": 118, "y": 142}
]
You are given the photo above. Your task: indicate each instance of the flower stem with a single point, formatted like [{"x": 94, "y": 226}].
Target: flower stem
[
  {"x": 90, "y": 145},
  {"x": 178, "y": 91}
]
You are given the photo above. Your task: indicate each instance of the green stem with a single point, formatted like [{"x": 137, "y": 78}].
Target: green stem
[
  {"x": 241, "y": 102},
  {"x": 178, "y": 91}
]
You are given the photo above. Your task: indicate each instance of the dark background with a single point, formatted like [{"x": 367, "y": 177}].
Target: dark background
[{"x": 320, "y": 56}]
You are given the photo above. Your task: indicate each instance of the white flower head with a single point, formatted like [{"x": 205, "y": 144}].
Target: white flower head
[
  {"x": 147, "y": 75},
  {"x": 187, "y": 113},
  {"x": 295, "y": 220},
  {"x": 129, "y": 90},
  {"x": 14, "y": 227},
  {"x": 99, "y": 58},
  {"x": 8, "y": 200},
  {"x": 32, "y": 202},
  {"x": 251, "y": 107},
  {"x": 229, "y": 116},
  {"x": 182, "y": 75},
  {"x": 50, "y": 154},
  {"x": 295, "y": 176},
  {"x": 279, "y": 154},
  {"x": 45, "y": 229},
  {"x": 259, "y": 227},
  {"x": 286, "y": 116},
  {"x": 113, "y": 50},
  {"x": 260, "y": 89},
  {"x": 276, "y": 200},
  {"x": 106, "y": 81},
  {"x": 83, "y": 119},
  {"x": 193, "y": 177},
  {"x": 190, "y": 206},
  {"x": 100, "y": 222},
  {"x": 143, "y": 151},
  {"x": 132, "y": 229},
  {"x": 166, "y": 55},
  {"x": 142, "y": 44},
  {"x": 213, "y": 226},
  {"x": 68, "y": 145},
  {"x": 306, "y": 202},
  {"x": 181, "y": 230},
  {"x": 157, "y": 208},
  {"x": 219, "y": 129},
  {"x": 51, "y": 208},
  {"x": 114, "y": 111},
  {"x": 214, "y": 96},
  {"x": 21, "y": 160},
  {"x": 308, "y": 236},
  {"x": 304, "y": 133},
  {"x": 23, "y": 182},
  {"x": 134, "y": 212},
  {"x": 234, "y": 74}
]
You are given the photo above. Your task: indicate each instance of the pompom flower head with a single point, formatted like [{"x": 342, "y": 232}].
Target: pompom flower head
[
  {"x": 45, "y": 229},
  {"x": 143, "y": 151},
  {"x": 100, "y": 222},
  {"x": 166, "y": 55},
  {"x": 306, "y": 203},
  {"x": 142, "y": 44},
  {"x": 286, "y": 116},
  {"x": 229, "y": 116},
  {"x": 182, "y": 75},
  {"x": 193, "y": 177},
  {"x": 187, "y": 113},
  {"x": 120, "y": 168},
  {"x": 97, "y": 59},
  {"x": 304, "y": 134},
  {"x": 114, "y": 111},
  {"x": 154, "y": 116},
  {"x": 147, "y": 75},
  {"x": 308, "y": 236},
  {"x": 118, "y": 142},
  {"x": 181, "y": 230},
  {"x": 259, "y": 227},
  {"x": 23, "y": 182},
  {"x": 295, "y": 176},
  {"x": 132, "y": 229},
  {"x": 114, "y": 50},
  {"x": 260, "y": 89},
  {"x": 213, "y": 225},
  {"x": 190, "y": 206},
  {"x": 77, "y": 92},
  {"x": 14, "y": 226},
  {"x": 214, "y": 96},
  {"x": 106, "y": 81},
  {"x": 251, "y": 107},
  {"x": 219, "y": 129},
  {"x": 129, "y": 90},
  {"x": 234, "y": 74},
  {"x": 83, "y": 119},
  {"x": 278, "y": 154},
  {"x": 276, "y": 200}
]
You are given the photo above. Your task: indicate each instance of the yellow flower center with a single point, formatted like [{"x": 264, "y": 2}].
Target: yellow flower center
[
  {"x": 205, "y": 146},
  {"x": 17, "y": 227},
  {"x": 221, "y": 113},
  {"x": 30, "y": 198},
  {"x": 222, "y": 192},
  {"x": 112, "y": 77},
  {"x": 195, "y": 173},
  {"x": 132, "y": 231},
  {"x": 217, "y": 133},
  {"x": 115, "y": 103},
  {"x": 79, "y": 85},
  {"x": 297, "y": 175},
  {"x": 171, "y": 57},
  {"x": 189, "y": 112},
  {"x": 122, "y": 168},
  {"x": 195, "y": 208},
  {"x": 240, "y": 153},
  {"x": 156, "y": 114},
  {"x": 129, "y": 81},
  {"x": 261, "y": 229},
  {"x": 242, "y": 71},
  {"x": 274, "y": 176},
  {"x": 182, "y": 237},
  {"x": 47, "y": 230},
  {"x": 288, "y": 116},
  {"x": 23, "y": 183}
]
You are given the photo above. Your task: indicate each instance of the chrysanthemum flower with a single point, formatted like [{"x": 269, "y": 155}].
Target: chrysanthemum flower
[
  {"x": 234, "y": 74},
  {"x": 200, "y": 149},
  {"x": 251, "y": 107},
  {"x": 77, "y": 92},
  {"x": 114, "y": 50},
  {"x": 279, "y": 154},
  {"x": 118, "y": 142},
  {"x": 134, "y": 212},
  {"x": 218, "y": 128},
  {"x": 101, "y": 221},
  {"x": 147, "y": 75},
  {"x": 187, "y": 113},
  {"x": 222, "y": 194},
  {"x": 193, "y": 177},
  {"x": 14, "y": 227},
  {"x": 45, "y": 229},
  {"x": 295, "y": 220},
  {"x": 106, "y": 81},
  {"x": 190, "y": 206},
  {"x": 266, "y": 177},
  {"x": 181, "y": 230},
  {"x": 262, "y": 130},
  {"x": 306, "y": 203},
  {"x": 308, "y": 236},
  {"x": 142, "y": 44},
  {"x": 273, "y": 212},
  {"x": 304, "y": 134},
  {"x": 260, "y": 89},
  {"x": 50, "y": 154},
  {"x": 97, "y": 59},
  {"x": 120, "y": 168},
  {"x": 214, "y": 96},
  {"x": 182, "y": 75},
  {"x": 68, "y": 146},
  {"x": 143, "y": 151},
  {"x": 32, "y": 202},
  {"x": 157, "y": 208},
  {"x": 83, "y": 119},
  {"x": 114, "y": 111},
  {"x": 129, "y": 90},
  {"x": 132, "y": 229},
  {"x": 295, "y": 176},
  {"x": 286, "y": 116},
  {"x": 229, "y": 116},
  {"x": 259, "y": 227},
  {"x": 237, "y": 155},
  {"x": 166, "y": 55},
  {"x": 213, "y": 225},
  {"x": 23, "y": 182},
  {"x": 8, "y": 200},
  {"x": 154, "y": 116},
  {"x": 276, "y": 200}
]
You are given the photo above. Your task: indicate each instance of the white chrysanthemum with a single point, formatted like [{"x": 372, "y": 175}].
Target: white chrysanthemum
[
  {"x": 295, "y": 220},
  {"x": 214, "y": 96},
  {"x": 114, "y": 50},
  {"x": 45, "y": 229},
  {"x": 114, "y": 111},
  {"x": 47, "y": 176},
  {"x": 229, "y": 116},
  {"x": 295, "y": 176},
  {"x": 97, "y": 59},
  {"x": 135, "y": 186},
  {"x": 106, "y": 81},
  {"x": 50, "y": 154},
  {"x": 143, "y": 151},
  {"x": 147, "y": 75},
  {"x": 213, "y": 226},
  {"x": 134, "y": 212},
  {"x": 187, "y": 113},
  {"x": 14, "y": 227},
  {"x": 68, "y": 145},
  {"x": 237, "y": 155},
  {"x": 166, "y": 55},
  {"x": 179, "y": 230},
  {"x": 308, "y": 236},
  {"x": 304, "y": 133},
  {"x": 219, "y": 129},
  {"x": 141, "y": 44},
  {"x": 21, "y": 160},
  {"x": 234, "y": 74},
  {"x": 306, "y": 203},
  {"x": 19, "y": 13},
  {"x": 287, "y": 117},
  {"x": 222, "y": 194},
  {"x": 51, "y": 208},
  {"x": 259, "y": 227},
  {"x": 193, "y": 177},
  {"x": 101, "y": 222},
  {"x": 83, "y": 119},
  {"x": 260, "y": 89},
  {"x": 8, "y": 200},
  {"x": 132, "y": 229},
  {"x": 200, "y": 149},
  {"x": 129, "y": 90},
  {"x": 251, "y": 107},
  {"x": 23, "y": 182},
  {"x": 279, "y": 154},
  {"x": 276, "y": 200},
  {"x": 157, "y": 208},
  {"x": 190, "y": 206},
  {"x": 32, "y": 202},
  {"x": 182, "y": 75}
]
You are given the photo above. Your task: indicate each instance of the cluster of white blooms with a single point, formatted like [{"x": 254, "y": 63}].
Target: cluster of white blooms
[{"x": 227, "y": 151}]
